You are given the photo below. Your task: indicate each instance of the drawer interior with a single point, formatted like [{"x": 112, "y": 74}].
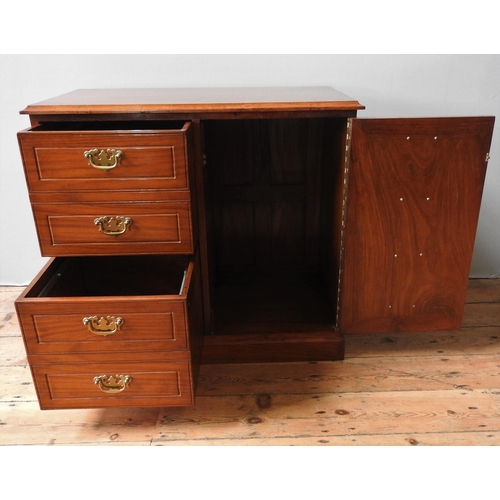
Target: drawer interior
[
  {"x": 108, "y": 125},
  {"x": 113, "y": 276}
]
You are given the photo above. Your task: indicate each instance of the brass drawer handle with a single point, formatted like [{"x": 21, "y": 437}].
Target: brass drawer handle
[
  {"x": 103, "y": 160},
  {"x": 103, "y": 326},
  {"x": 112, "y": 383},
  {"x": 113, "y": 226}
]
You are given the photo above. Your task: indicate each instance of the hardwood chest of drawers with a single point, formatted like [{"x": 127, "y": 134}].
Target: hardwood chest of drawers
[
  {"x": 115, "y": 317},
  {"x": 235, "y": 225}
]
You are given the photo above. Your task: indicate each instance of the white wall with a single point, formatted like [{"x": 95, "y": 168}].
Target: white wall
[{"x": 388, "y": 85}]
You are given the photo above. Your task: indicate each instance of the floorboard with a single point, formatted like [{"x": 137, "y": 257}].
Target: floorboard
[{"x": 409, "y": 389}]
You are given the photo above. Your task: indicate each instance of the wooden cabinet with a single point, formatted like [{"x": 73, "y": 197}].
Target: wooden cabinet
[{"x": 235, "y": 225}]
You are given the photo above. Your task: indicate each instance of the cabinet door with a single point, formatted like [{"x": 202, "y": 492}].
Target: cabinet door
[{"x": 413, "y": 193}]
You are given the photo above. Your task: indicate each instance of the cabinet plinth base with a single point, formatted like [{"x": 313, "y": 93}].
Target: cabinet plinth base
[{"x": 266, "y": 348}]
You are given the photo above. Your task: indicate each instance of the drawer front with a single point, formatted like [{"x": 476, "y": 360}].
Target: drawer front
[
  {"x": 114, "y": 228},
  {"x": 113, "y": 384},
  {"x": 96, "y": 161},
  {"x": 109, "y": 325}
]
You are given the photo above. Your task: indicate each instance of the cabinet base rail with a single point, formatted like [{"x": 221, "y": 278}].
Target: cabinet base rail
[{"x": 265, "y": 348}]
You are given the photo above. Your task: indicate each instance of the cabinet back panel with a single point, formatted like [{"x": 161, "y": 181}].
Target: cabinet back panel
[{"x": 264, "y": 177}]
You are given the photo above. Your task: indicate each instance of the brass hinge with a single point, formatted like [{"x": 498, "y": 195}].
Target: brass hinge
[{"x": 487, "y": 157}]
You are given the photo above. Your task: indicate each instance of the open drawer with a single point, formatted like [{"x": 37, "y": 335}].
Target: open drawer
[
  {"x": 83, "y": 314},
  {"x": 88, "y": 304},
  {"x": 106, "y": 156}
]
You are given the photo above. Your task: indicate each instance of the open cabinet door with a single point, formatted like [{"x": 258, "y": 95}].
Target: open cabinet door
[{"x": 413, "y": 194}]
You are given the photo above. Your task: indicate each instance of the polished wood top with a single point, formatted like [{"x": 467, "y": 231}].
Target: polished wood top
[{"x": 195, "y": 100}]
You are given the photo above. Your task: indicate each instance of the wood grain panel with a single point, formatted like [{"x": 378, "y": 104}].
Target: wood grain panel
[
  {"x": 25, "y": 424},
  {"x": 155, "y": 228},
  {"x": 368, "y": 374},
  {"x": 289, "y": 151},
  {"x": 55, "y": 161},
  {"x": 288, "y": 240},
  {"x": 231, "y": 151},
  {"x": 414, "y": 194},
  {"x": 14, "y": 351},
  {"x": 149, "y": 293},
  {"x": 46, "y": 330},
  {"x": 410, "y": 438},
  {"x": 482, "y": 290},
  {"x": 331, "y": 414},
  {"x": 17, "y": 385},
  {"x": 237, "y": 247},
  {"x": 193, "y": 101},
  {"x": 474, "y": 341},
  {"x": 264, "y": 179},
  {"x": 153, "y": 384}
]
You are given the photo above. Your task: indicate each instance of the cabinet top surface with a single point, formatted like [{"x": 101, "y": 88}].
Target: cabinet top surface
[{"x": 195, "y": 100}]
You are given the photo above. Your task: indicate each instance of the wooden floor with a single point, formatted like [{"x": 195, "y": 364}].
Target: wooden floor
[{"x": 438, "y": 388}]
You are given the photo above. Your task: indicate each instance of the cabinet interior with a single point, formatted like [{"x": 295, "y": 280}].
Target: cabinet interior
[{"x": 274, "y": 192}]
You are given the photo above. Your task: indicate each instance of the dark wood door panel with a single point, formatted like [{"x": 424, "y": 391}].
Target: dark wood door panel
[{"x": 413, "y": 202}]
